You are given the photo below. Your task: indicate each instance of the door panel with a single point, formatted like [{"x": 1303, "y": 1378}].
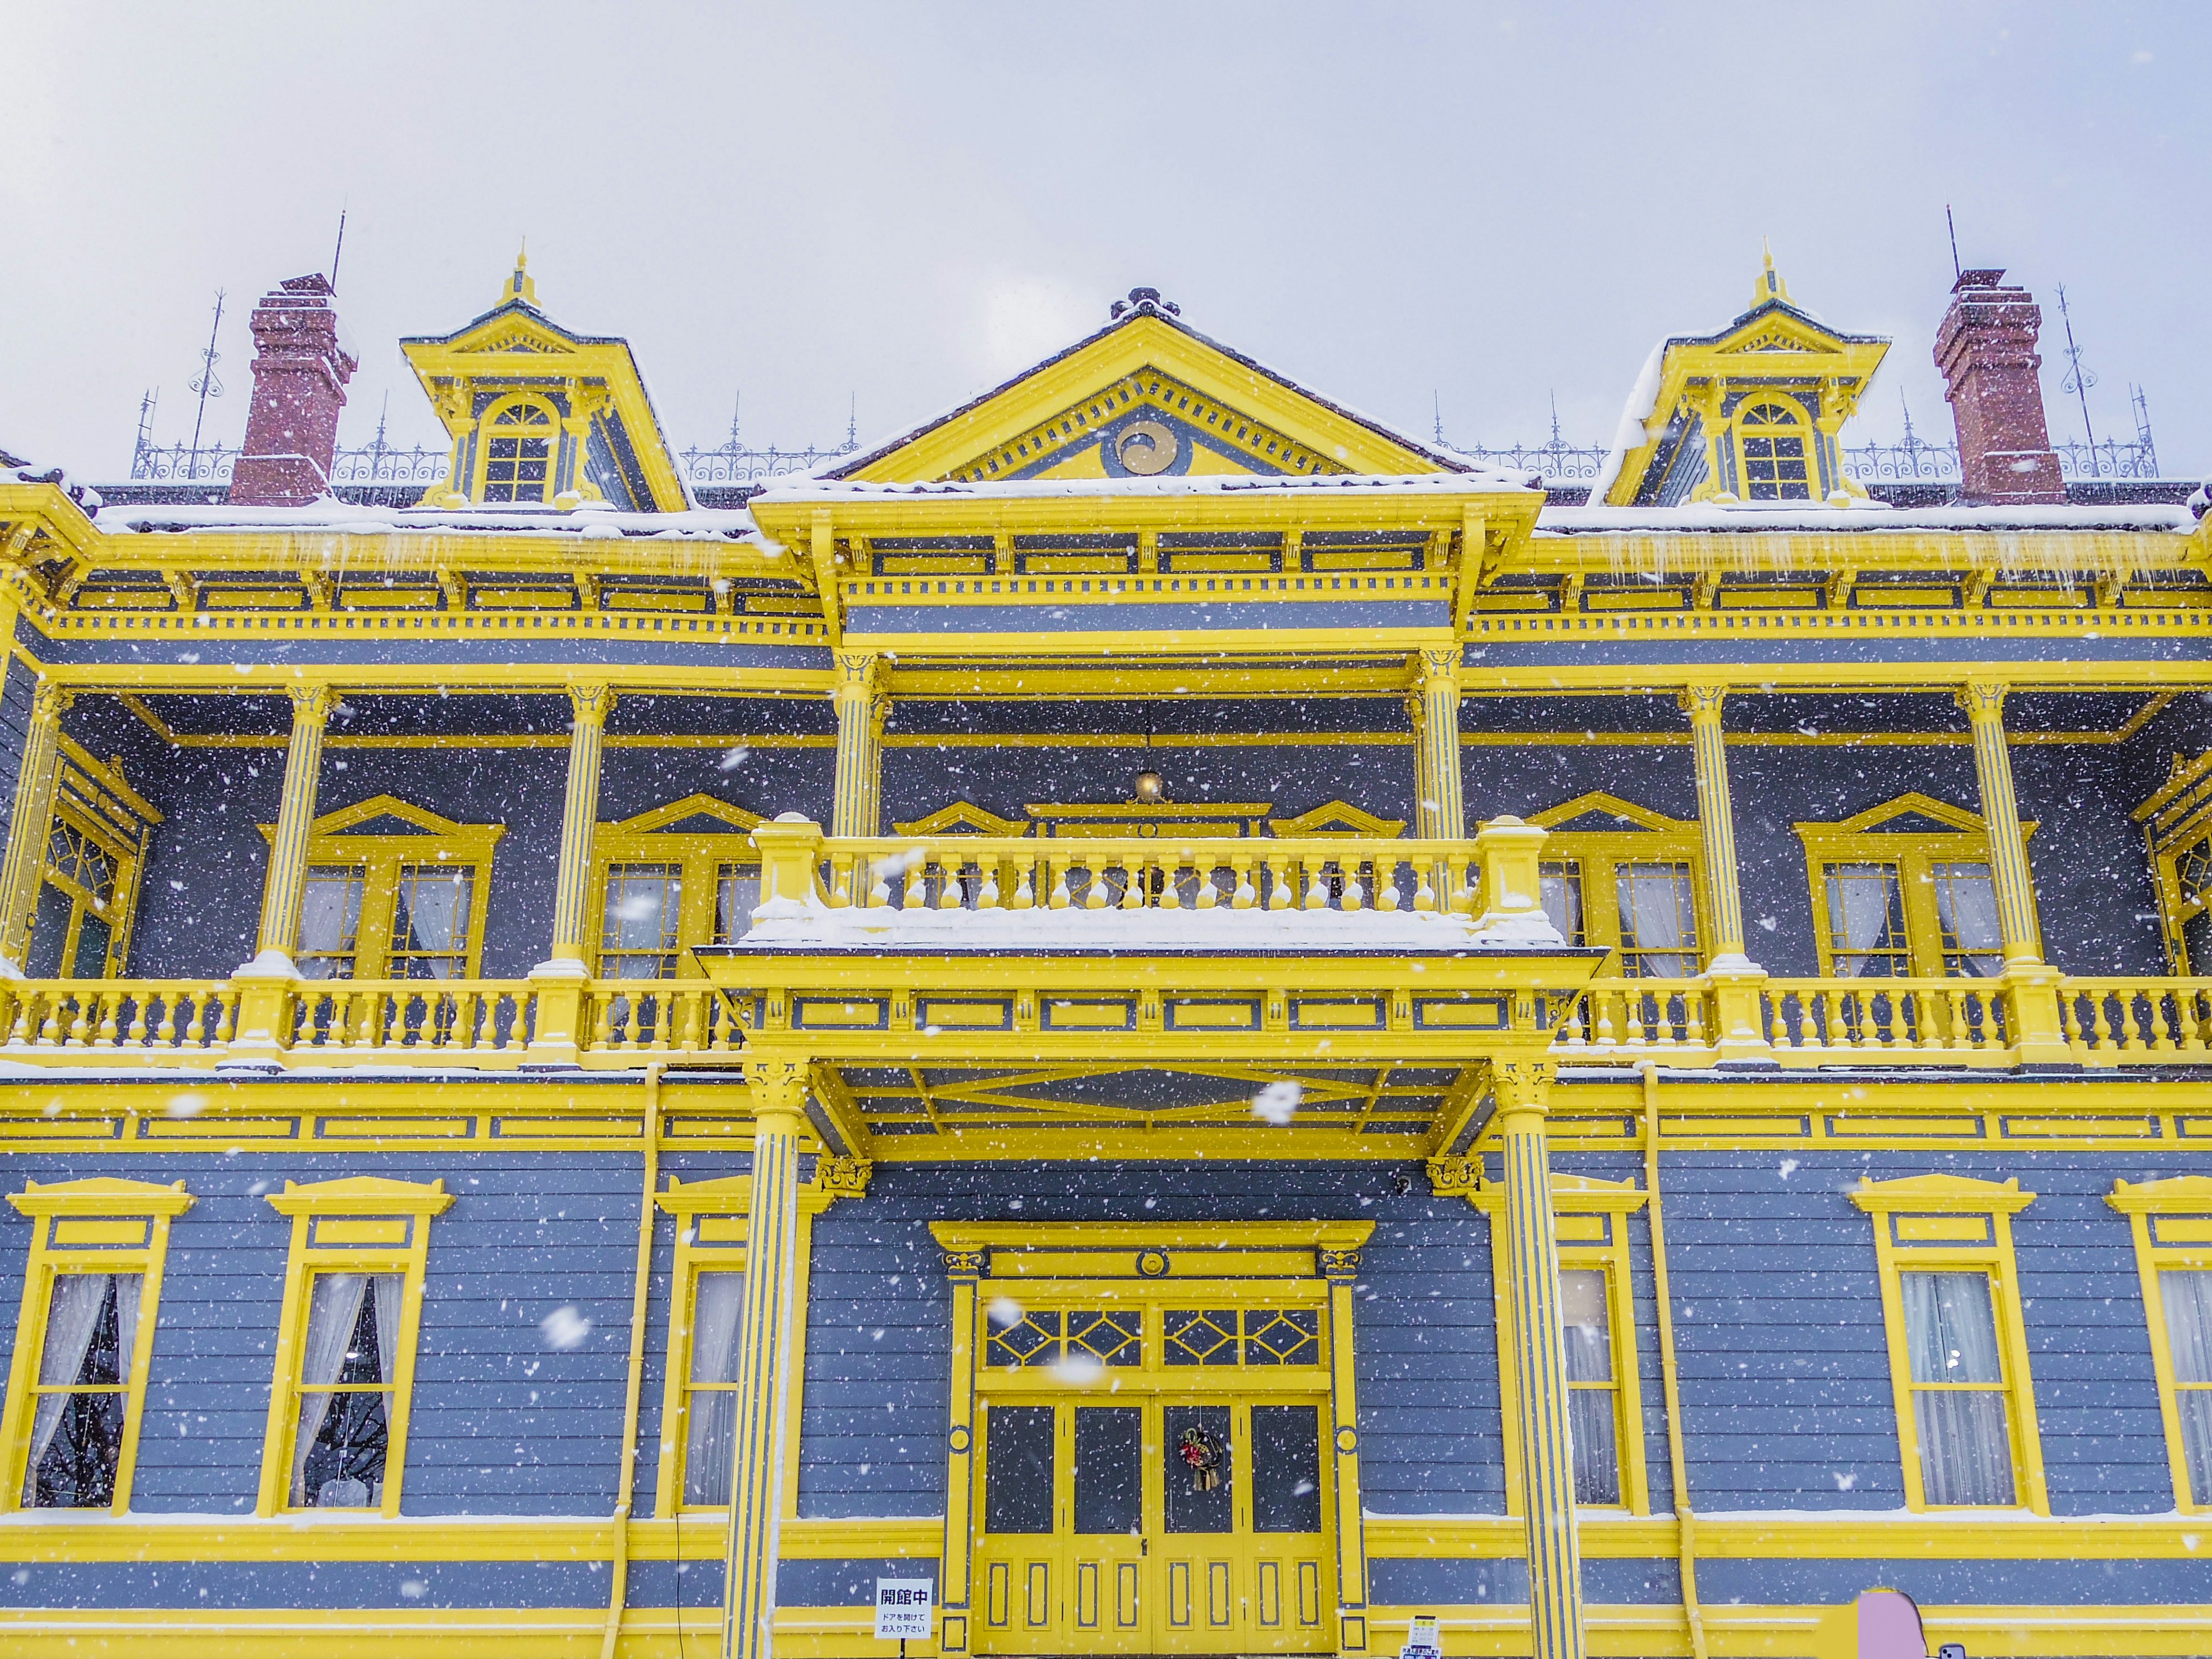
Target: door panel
[{"x": 1107, "y": 1544}]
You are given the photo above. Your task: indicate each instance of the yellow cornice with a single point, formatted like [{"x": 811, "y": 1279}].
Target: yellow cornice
[
  {"x": 362, "y": 1195},
  {"x": 1941, "y": 1192},
  {"x": 102, "y": 1195},
  {"x": 1144, "y": 342}
]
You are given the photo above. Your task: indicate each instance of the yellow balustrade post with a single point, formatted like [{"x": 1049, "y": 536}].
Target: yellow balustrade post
[
  {"x": 1547, "y": 1474},
  {"x": 764, "y": 1319},
  {"x": 791, "y": 858},
  {"x": 1440, "y": 813},
  {"x": 265, "y": 985},
  {"x": 2031, "y": 984},
  {"x": 1739, "y": 1034},
  {"x": 25, "y": 865},
  {"x": 1510, "y": 854},
  {"x": 555, "y": 1033}
]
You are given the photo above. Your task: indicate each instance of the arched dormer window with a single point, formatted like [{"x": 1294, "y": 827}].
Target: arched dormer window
[
  {"x": 519, "y": 438},
  {"x": 1773, "y": 448}
]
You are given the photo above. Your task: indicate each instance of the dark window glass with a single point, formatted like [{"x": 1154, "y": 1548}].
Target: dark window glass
[
  {"x": 1110, "y": 1468},
  {"x": 1285, "y": 1468},
  {"x": 1017, "y": 1476},
  {"x": 77, "y": 1426},
  {"x": 1201, "y": 1470}
]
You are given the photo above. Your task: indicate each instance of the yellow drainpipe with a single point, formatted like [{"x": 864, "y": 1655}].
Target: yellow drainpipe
[
  {"x": 1685, "y": 1522},
  {"x": 618, "y": 1593}
]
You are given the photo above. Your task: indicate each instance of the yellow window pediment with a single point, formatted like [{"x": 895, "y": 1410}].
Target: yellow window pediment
[
  {"x": 697, "y": 814},
  {"x": 1147, "y": 396},
  {"x": 1606, "y": 813},
  {"x": 962, "y": 817},
  {"x": 1337, "y": 819}
]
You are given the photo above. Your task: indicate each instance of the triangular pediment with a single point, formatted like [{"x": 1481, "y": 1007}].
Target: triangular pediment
[
  {"x": 1598, "y": 812},
  {"x": 694, "y": 815},
  {"x": 1147, "y": 396},
  {"x": 1912, "y": 814},
  {"x": 1338, "y": 820},
  {"x": 962, "y": 817}
]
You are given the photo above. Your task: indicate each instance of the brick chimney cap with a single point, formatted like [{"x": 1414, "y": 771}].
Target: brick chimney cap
[
  {"x": 1978, "y": 279},
  {"x": 315, "y": 283}
]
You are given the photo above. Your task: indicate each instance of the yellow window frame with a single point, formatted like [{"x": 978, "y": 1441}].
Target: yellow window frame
[
  {"x": 659, "y": 836},
  {"x": 487, "y": 429},
  {"x": 360, "y": 1225},
  {"x": 104, "y": 1225},
  {"x": 1947, "y": 1223},
  {"x": 1590, "y": 1225},
  {"x": 1739, "y": 429},
  {"x": 2177, "y": 835},
  {"x": 1645, "y": 837},
  {"x": 2171, "y": 1222},
  {"x": 713, "y": 1232},
  {"x": 93, "y": 800},
  {"x": 437, "y": 842},
  {"x": 1861, "y": 839}
]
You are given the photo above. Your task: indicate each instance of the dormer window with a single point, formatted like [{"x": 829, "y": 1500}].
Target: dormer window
[
  {"x": 519, "y": 438},
  {"x": 1770, "y": 436}
]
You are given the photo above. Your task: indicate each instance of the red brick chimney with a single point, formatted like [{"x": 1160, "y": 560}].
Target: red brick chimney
[
  {"x": 1985, "y": 347},
  {"x": 300, "y": 375}
]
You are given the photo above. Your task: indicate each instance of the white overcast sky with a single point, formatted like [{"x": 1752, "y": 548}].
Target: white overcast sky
[{"x": 1486, "y": 203}]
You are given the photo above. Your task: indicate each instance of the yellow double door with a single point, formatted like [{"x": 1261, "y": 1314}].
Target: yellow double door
[{"x": 1178, "y": 1524}]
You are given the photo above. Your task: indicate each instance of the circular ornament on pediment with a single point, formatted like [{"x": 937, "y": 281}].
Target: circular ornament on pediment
[
  {"x": 1151, "y": 1264},
  {"x": 1146, "y": 447}
]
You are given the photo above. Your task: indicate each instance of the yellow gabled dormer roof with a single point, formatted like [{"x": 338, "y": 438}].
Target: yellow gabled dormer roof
[
  {"x": 516, "y": 347},
  {"x": 1146, "y": 396},
  {"x": 1693, "y": 383}
]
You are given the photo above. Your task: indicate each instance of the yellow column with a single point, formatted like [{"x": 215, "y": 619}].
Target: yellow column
[
  {"x": 964, "y": 1269},
  {"x": 1983, "y": 701},
  {"x": 25, "y": 864},
  {"x": 1738, "y": 1030},
  {"x": 1440, "y": 813},
  {"x": 779, "y": 1094},
  {"x": 295, "y": 820},
  {"x": 2031, "y": 984},
  {"x": 1341, "y": 1269},
  {"x": 859, "y": 751},
  {"x": 1547, "y": 1475},
  {"x": 580, "y": 817}
]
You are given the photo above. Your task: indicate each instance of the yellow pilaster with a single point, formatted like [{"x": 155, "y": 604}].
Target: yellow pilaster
[
  {"x": 859, "y": 751},
  {"x": 295, "y": 820},
  {"x": 1341, "y": 1269},
  {"x": 580, "y": 815},
  {"x": 1739, "y": 1032},
  {"x": 26, "y": 861},
  {"x": 2031, "y": 984},
  {"x": 764, "y": 1318},
  {"x": 1440, "y": 813},
  {"x": 964, "y": 1269},
  {"x": 1547, "y": 1481}
]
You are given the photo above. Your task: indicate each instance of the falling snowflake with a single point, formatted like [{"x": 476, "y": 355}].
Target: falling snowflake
[
  {"x": 1277, "y": 1103},
  {"x": 564, "y": 1328}
]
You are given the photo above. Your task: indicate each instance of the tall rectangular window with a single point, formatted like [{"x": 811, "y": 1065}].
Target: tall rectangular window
[
  {"x": 1966, "y": 912},
  {"x": 641, "y": 922},
  {"x": 710, "y": 1398},
  {"x": 1593, "y": 1394},
  {"x": 1658, "y": 921},
  {"x": 346, "y": 1382},
  {"x": 82, "y": 1392},
  {"x": 430, "y": 922},
  {"x": 330, "y": 921},
  {"x": 1959, "y": 1389},
  {"x": 1561, "y": 886},
  {"x": 2187, "y": 1294},
  {"x": 737, "y": 895}
]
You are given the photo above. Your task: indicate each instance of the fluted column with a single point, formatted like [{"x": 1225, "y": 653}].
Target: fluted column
[
  {"x": 580, "y": 817},
  {"x": 1715, "y": 816},
  {"x": 295, "y": 822},
  {"x": 1983, "y": 701},
  {"x": 1547, "y": 1471},
  {"x": 860, "y": 745},
  {"x": 1441, "y": 813},
  {"x": 25, "y": 864},
  {"x": 764, "y": 1320}
]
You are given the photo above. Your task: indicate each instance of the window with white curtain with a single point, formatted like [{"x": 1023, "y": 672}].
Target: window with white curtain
[
  {"x": 2187, "y": 1295},
  {"x": 1960, "y": 1398},
  {"x": 430, "y": 921},
  {"x": 1658, "y": 920},
  {"x": 347, "y": 1376},
  {"x": 642, "y": 921},
  {"x": 1561, "y": 887},
  {"x": 737, "y": 895},
  {"x": 1592, "y": 1409},
  {"x": 1866, "y": 922},
  {"x": 330, "y": 921},
  {"x": 1967, "y": 911},
  {"x": 82, "y": 1391},
  {"x": 710, "y": 1399}
]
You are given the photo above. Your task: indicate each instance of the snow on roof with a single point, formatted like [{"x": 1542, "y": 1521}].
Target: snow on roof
[
  {"x": 1752, "y": 518},
  {"x": 15, "y": 470},
  {"x": 798, "y": 487},
  {"x": 1630, "y": 434},
  {"x": 333, "y": 516}
]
